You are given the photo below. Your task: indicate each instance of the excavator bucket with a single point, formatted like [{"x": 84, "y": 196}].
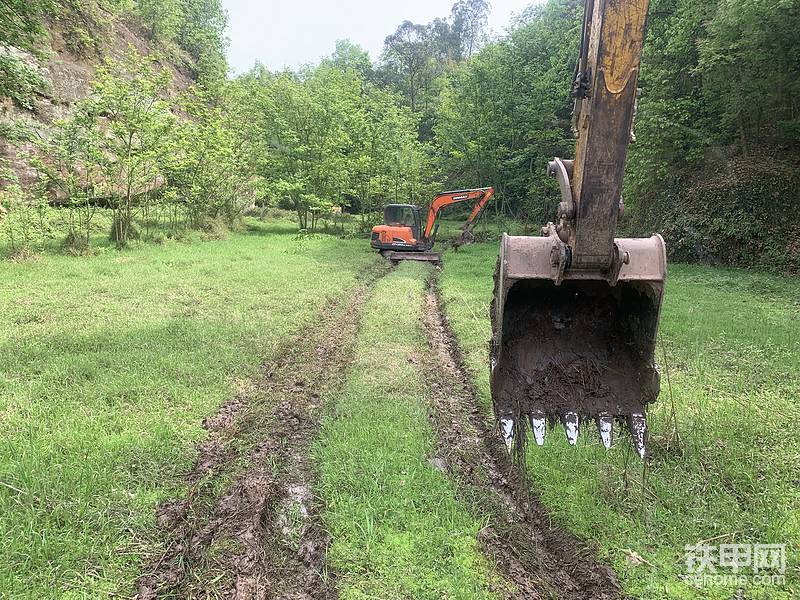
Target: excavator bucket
[
  {"x": 576, "y": 348},
  {"x": 575, "y": 313}
]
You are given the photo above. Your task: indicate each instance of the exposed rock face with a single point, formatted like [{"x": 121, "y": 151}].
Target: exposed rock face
[{"x": 68, "y": 76}]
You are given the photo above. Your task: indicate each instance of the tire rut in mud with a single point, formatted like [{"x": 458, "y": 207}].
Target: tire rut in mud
[
  {"x": 261, "y": 537},
  {"x": 535, "y": 556}
]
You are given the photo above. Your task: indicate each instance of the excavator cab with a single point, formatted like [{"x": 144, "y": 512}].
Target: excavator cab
[
  {"x": 400, "y": 229},
  {"x": 575, "y": 312}
]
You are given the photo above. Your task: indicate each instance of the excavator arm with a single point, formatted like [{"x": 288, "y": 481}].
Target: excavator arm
[
  {"x": 575, "y": 312},
  {"x": 605, "y": 89},
  {"x": 480, "y": 196}
]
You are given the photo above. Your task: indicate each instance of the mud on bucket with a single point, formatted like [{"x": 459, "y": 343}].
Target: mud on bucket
[{"x": 575, "y": 348}]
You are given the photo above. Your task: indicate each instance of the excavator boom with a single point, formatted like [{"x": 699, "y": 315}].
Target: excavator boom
[
  {"x": 480, "y": 196},
  {"x": 575, "y": 311},
  {"x": 605, "y": 104}
]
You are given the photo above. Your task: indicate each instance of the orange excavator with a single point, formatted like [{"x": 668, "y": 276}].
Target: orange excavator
[{"x": 401, "y": 237}]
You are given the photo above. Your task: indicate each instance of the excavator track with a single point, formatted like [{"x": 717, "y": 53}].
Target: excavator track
[{"x": 394, "y": 257}]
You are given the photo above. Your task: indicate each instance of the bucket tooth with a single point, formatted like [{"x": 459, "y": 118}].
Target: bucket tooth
[
  {"x": 539, "y": 426},
  {"x": 637, "y": 424},
  {"x": 605, "y": 425},
  {"x": 507, "y": 426},
  {"x": 571, "y": 427}
]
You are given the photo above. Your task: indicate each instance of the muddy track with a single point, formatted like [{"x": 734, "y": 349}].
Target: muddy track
[
  {"x": 249, "y": 527},
  {"x": 535, "y": 556}
]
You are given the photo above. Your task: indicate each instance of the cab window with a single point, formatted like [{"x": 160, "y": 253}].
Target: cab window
[{"x": 399, "y": 216}]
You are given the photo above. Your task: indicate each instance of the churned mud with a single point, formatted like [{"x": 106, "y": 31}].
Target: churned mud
[
  {"x": 581, "y": 347},
  {"x": 537, "y": 559},
  {"x": 249, "y": 527}
]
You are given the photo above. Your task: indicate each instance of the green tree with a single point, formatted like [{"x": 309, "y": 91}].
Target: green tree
[
  {"x": 202, "y": 35},
  {"x": 506, "y": 112},
  {"x": 22, "y": 21},
  {"x": 408, "y": 52},
  {"x": 210, "y": 170},
  {"x": 351, "y": 57},
  {"x": 328, "y": 138},
  {"x": 136, "y": 127},
  {"x": 749, "y": 61},
  {"x": 673, "y": 123},
  {"x": 470, "y": 18},
  {"x": 68, "y": 162},
  {"x": 162, "y": 18}
]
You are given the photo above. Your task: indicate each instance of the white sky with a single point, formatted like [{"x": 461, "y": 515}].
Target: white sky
[{"x": 282, "y": 33}]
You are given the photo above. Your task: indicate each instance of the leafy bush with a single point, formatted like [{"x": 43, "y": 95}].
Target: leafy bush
[
  {"x": 20, "y": 77},
  {"x": 28, "y": 222},
  {"x": 742, "y": 213},
  {"x": 21, "y": 21}
]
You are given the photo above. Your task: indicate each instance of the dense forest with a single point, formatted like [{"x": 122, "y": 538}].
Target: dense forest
[{"x": 714, "y": 166}]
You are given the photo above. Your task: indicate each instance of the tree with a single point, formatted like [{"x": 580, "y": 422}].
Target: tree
[
  {"x": 446, "y": 42},
  {"x": 751, "y": 47},
  {"x": 22, "y": 21},
  {"x": 69, "y": 163},
  {"x": 304, "y": 123},
  {"x": 135, "y": 127},
  {"x": 202, "y": 35},
  {"x": 331, "y": 138},
  {"x": 470, "y": 18},
  {"x": 388, "y": 163},
  {"x": 163, "y": 18},
  {"x": 351, "y": 57},
  {"x": 506, "y": 112},
  {"x": 408, "y": 52},
  {"x": 209, "y": 170}
]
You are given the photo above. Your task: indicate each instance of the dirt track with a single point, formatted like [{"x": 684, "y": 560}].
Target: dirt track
[
  {"x": 250, "y": 528},
  {"x": 539, "y": 559},
  {"x": 261, "y": 537}
]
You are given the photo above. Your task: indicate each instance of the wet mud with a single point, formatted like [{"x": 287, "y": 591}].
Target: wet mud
[
  {"x": 249, "y": 527},
  {"x": 536, "y": 558},
  {"x": 582, "y": 347}
]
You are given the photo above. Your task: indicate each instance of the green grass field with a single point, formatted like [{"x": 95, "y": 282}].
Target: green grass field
[
  {"x": 732, "y": 343},
  {"x": 398, "y": 531},
  {"x": 108, "y": 365}
]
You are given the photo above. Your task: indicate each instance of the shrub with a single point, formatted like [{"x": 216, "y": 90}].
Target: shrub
[
  {"x": 21, "y": 78},
  {"x": 743, "y": 212}
]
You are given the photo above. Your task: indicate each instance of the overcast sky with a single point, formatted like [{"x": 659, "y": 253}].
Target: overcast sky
[{"x": 281, "y": 33}]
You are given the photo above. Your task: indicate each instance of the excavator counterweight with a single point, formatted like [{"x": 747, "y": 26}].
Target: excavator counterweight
[{"x": 575, "y": 312}]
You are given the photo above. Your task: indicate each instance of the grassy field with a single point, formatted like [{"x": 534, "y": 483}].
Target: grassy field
[
  {"x": 108, "y": 365},
  {"x": 732, "y": 344},
  {"x": 398, "y": 531}
]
